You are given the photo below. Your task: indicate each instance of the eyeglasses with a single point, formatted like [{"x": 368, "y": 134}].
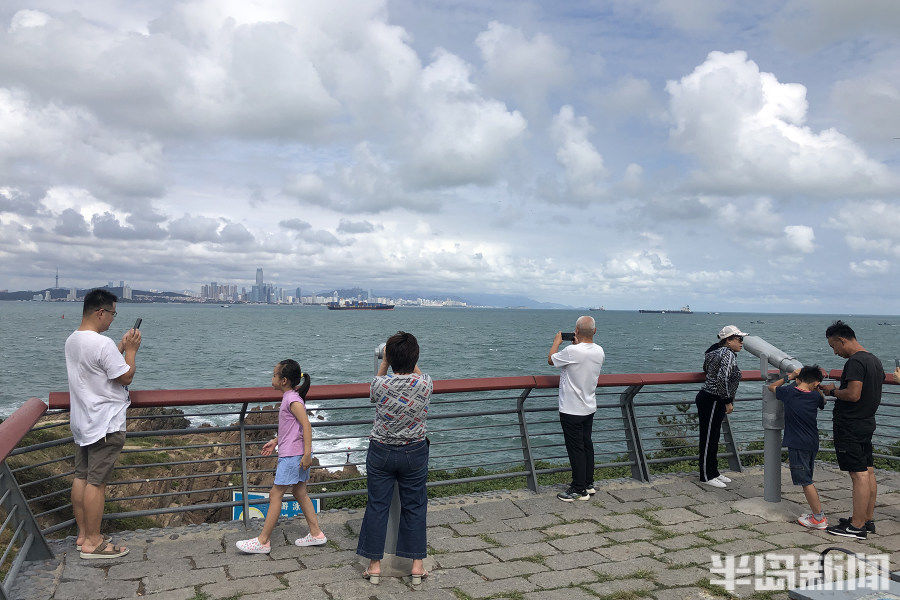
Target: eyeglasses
[
  {"x": 739, "y": 338},
  {"x": 112, "y": 312}
]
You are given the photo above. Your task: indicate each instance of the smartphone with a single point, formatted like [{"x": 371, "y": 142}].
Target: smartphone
[
  {"x": 568, "y": 337},
  {"x": 137, "y": 323}
]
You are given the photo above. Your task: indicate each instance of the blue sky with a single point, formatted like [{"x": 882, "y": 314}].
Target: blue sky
[{"x": 731, "y": 156}]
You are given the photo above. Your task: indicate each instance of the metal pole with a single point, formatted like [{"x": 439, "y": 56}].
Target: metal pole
[
  {"x": 244, "y": 483},
  {"x": 639, "y": 468},
  {"x": 772, "y": 411},
  {"x": 39, "y": 550},
  {"x": 531, "y": 477}
]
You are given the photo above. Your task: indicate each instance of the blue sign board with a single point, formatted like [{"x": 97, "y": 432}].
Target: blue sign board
[{"x": 259, "y": 506}]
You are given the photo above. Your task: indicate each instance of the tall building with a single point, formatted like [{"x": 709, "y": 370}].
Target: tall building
[{"x": 259, "y": 276}]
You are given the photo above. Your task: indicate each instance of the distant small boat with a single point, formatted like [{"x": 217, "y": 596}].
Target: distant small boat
[
  {"x": 599, "y": 308},
  {"x": 358, "y": 305},
  {"x": 685, "y": 310}
]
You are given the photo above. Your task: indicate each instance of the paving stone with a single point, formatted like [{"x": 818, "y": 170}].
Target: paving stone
[
  {"x": 635, "y": 494},
  {"x": 631, "y": 535},
  {"x": 774, "y": 528},
  {"x": 227, "y": 589},
  {"x": 796, "y": 538},
  {"x": 479, "y": 527},
  {"x": 292, "y": 551},
  {"x": 267, "y": 567},
  {"x": 624, "y": 568},
  {"x": 561, "y": 594},
  {"x": 177, "y": 579},
  {"x": 572, "y": 560},
  {"x": 523, "y": 550},
  {"x": 178, "y": 548},
  {"x": 557, "y": 579},
  {"x": 185, "y": 593},
  {"x": 619, "y": 522},
  {"x": 686, "y": 593},
  {"x": 629, "y": 507},
  {"x": 890, "y": 543},
  {"x": 332, "y": 559},
  {"x": 360, "y": 588},
  {"x": 146, "y": 568},
  {"x": 533, "y": 522},
  {"x": 78, "y": 569},
  {"x": 459, "y": 544},
  {"x": 484, "y": 589},
  {"x": 414, "y": 594},
  {"x": 436, "y": 533},
  {"x": 541, "y": 505},
  {"x": 679, "y": 501},
  {"x": 690, "y": 556},
  {"x": 582, "y": 511},
  {"x": 464, "y": 559},
  {"x": 725, "y": 535},
  {"x": 221, "y": 559},
  {"x": 618, "y": 586},
  {"x": 576, "y": 528},
  {"x": 493, "y": 511},
  {"x": 575, "y": 543},
  {"x": 701, "y": 526},
  {"x": 669, "y": 516},
  {"x": 514, "y": 568},
  {"x": 314, "y": 577},
  {"x": 754, "y": 546},
  {"x": 514, "y": 538},
  {"x": 681, "y": 542},
  {"x": 682, "y": 576},
  {"x": 448, "y": 578},
  {"x": 626, "y": 551},
  {"x": 303, "y": 592},
  {"x": 96, "y": 590}
]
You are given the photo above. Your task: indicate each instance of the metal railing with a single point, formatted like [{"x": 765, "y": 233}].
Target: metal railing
[{"x": 481, "y": 430}]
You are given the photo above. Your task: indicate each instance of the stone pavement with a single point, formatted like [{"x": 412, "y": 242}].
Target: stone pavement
[{"x": 631, "y": 540}]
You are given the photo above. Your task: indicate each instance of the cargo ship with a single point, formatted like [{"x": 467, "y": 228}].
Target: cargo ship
[
  {"x": 358, "y": 305},
  {"x": 685, "y": 310}
]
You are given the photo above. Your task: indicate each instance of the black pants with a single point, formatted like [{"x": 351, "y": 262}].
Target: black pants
[
  {"x": 580, "y": 448},
  {"x": 711, "y": 411}
]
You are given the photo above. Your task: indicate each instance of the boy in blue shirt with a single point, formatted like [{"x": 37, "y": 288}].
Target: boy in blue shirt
[{"x": 801, "y": 434}]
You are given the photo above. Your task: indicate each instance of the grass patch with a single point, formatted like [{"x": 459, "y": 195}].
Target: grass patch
[{"x": 535, "y": 558}]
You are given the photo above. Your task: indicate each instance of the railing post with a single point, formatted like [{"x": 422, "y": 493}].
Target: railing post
[
  {"x": 244, "y": 483},
  {"x": 33, "y": 545},
  {"x": 528, "y": 460},
  {"x": 773, "y": 423},
  {"x": 640, "y": 470},
  {"x": 734, "y": 461}
]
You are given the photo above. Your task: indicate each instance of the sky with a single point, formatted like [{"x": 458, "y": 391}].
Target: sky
[{"x": 654, "y": 153}]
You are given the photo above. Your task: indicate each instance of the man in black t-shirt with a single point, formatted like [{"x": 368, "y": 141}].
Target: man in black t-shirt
[{"x": 855, "y": 404}]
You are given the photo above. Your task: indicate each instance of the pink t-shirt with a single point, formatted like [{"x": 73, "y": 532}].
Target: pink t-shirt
[{"x": 290, "y": 434}]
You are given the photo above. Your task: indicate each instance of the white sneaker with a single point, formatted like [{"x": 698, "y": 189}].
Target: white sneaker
[
  {"x": 253, "y": 546},
  {"x": 309, "y": 540},
  {"x": 723, "y": 479},
  {"x": 715, "y": 482}
]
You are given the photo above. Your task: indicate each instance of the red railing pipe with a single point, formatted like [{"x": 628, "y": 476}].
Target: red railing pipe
[{"x": 13, "y": 429}]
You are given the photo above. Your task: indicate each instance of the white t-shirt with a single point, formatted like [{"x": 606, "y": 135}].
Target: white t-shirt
[
  {"x": 97, "y": 403},
  {"x": 580, "y": 366}
]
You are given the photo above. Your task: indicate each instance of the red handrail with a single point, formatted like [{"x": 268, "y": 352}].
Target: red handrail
[
  {"x": 13, "y": 429},
  {"x": 163, "y": 398}
]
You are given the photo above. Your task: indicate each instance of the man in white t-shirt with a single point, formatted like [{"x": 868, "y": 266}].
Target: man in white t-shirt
[
  {"x": 579, "y": 366},
  {"x": 98, "y": 373}
]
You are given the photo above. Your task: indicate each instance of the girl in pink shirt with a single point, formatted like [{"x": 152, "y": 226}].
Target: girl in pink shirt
[{"x": 294, "y": 444}]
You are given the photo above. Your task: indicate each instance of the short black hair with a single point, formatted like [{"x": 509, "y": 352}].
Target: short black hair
[
  {"x": 840, "y": 329},
  {"x": 810, "y": 374},
  {"x": 96, "y": 299},
  {"x": 402, "y": 352}
]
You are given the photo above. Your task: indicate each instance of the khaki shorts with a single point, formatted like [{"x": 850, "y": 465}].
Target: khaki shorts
[{"x": 94, "y": 463}]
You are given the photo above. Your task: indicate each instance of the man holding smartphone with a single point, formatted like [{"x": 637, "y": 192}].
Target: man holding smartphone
[
  {"x": 98, "y": 372},
  {"x": 579, "y": 365}
]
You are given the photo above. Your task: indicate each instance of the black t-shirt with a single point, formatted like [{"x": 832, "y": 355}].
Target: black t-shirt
[
  {"x": 800, "y": 429},
  {"x": 866, "y": 368}
]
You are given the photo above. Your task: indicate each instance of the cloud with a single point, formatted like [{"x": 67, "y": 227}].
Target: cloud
[
  {"x": 746, "y": 130},
  {"x": 585, "y": 172},
  {"x": 811, "y": 24},
  {"x": 194, "y": 229},
  {"x": 870, "y": 267},
  {"x": 295, "y": 224},
  {"x": 522, "y": 68},
  {"x": 348, "y": 226},
  {"x": 868, "y": 103},
  {"x": 71, "y": 223},
  {"x": 869, "y": 227},
  {"x": 18, "y": 202},
  {"x": 631, "y": 97},
  {"x": 107, "y": 226},
  {"x": 235, "y": 233},
  {"x": 800, "y": 238}
]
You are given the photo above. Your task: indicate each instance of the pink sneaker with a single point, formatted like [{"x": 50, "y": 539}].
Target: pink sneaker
[
  {"x": 253, "y": 546},
  {"x": 809, "y": 520}
]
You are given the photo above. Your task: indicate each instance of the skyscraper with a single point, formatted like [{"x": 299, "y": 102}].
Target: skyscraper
[{"x": 259, "y": 277}]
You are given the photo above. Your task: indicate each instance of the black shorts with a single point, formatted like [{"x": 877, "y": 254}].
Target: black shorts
[{"x": 853, "y": 444}]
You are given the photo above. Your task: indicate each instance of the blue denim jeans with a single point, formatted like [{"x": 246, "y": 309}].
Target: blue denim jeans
[{"x": 408, "y": 466}]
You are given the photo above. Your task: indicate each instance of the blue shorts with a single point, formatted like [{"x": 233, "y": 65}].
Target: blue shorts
[
  {"x": 802, "y": 463},
  {"x": 289, "y": 471}
]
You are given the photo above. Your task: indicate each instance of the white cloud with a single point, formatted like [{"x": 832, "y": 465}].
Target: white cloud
[
  {"x": 585, "y": 173},
  {"x": 869, "y": 227},
  {"x": 522, "y": 68},
  {"x": 813, "y": 24},
  {"x": 746, "y": 131},
  {"x": 801, "y": 238},
  {"x": 869, "y": 267},
  {"x": 631, "y": 96}
]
